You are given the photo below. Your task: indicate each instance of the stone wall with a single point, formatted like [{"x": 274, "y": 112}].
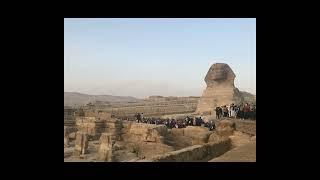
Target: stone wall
[
  {"x": 69, "y": 114},
  {"x": 91, "y": 126},
  {"x": 146, "y": 140},
  {"x": 114, "y": 127},
  {"x": 246, "y": 126},
  {"x": 94, "y": 123},
  {"x": 199, "y": 135},
  {"x": 69, "y": 119},
  {"x": 140, "y": 132},
  {"x": 194, "y": 153}
]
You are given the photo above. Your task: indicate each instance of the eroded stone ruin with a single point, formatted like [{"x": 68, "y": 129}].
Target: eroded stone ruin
[
  {"x": 81, "y": 144},
  {"x": 220, "y": 89},
  {"x": 105, "y": 151},
  {"x": 134, "y": 142}
]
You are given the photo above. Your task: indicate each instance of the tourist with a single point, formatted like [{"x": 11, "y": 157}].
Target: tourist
[
  {"x": 246, "y": 110},
  {"x": 176, "y": 126},
  {"x": 138, "y": 117},
  {"x": 184, "y": 125},
  {"x": 174, "y": 123},
  {"x": 236, "y": 109},
  {"x": 229, "y": 110},
  {"x": 220, "y": 112},
  {"x": 217, "y": 112},
  {"x": 167, "y": 123},
  {"x": 241, "y": 113},
  {"x": 187, "y": 120},
  {"x": 190, "y": 121},
  {"x": 212, "y": 126},
  {"x": 232, "y": 111},
  {"x": 200, "y": 121},
  {"x": 225, "y": 111},
  {"x": 253, "y": 113}
]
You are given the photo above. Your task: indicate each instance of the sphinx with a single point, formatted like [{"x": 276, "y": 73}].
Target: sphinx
[{"x": 220, "y": 89}]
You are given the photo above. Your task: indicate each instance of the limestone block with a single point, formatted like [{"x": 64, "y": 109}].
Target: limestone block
[
  {"x": 177, "y": 131},
  {"x": 151, "y": 149},
  {"x": 225, "y": 128},
  {"x": 66, "y": 136},
  {"x": 81, "y": 144},
  {"x": 113, "y": 125},
  {"x": 202, "y": 138},
  {"x": 195, "y": 153},
  {"x": 141, "y": 128},
  {"x": 214, "y": 137},
  {"x": 119, "y": 145},
  {"x": 193, "y": 131},
  {"x": 72, "y": 135},
  {"x": 105, "y": 149}
]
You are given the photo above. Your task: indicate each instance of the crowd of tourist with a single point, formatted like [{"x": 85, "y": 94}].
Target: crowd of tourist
[
  {"x": 243, "y": 111},
  {"x": 175, "y": 123}
]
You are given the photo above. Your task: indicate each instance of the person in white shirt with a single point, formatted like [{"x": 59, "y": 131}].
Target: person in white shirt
[{"x": 229, "y": 110}]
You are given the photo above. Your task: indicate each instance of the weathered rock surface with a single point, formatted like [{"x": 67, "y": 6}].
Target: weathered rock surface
[
  {"x": 66, "y": 136},
  {"x": 220, "y": 89},
  {"x": 192, "y": 131},
  {"x": 140, "y": 132},
  {"x": 105, "y": 149},
  {"x": 72, "y": 135},
  {"x": 225, "y": 128},
  {"x": 214, "y": 137},
  {"x": 193, "y": 153},
  {"x": 244, "y": 153},
  {"x": 81, "y": 143},
  {"x": 238, "y": 139}
]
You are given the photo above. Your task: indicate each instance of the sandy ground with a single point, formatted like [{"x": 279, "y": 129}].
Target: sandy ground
[{"x": 243, "y": 153}]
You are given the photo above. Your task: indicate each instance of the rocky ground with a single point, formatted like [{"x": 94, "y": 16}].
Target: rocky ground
[
  {"x": 243, "y": 153},
  {"x": 243, "y": 147}
]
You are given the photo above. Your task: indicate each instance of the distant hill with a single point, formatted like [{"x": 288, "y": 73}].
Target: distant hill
[
  {"x": 248, "y": 97},
  {"x": 74, "y": 98}
]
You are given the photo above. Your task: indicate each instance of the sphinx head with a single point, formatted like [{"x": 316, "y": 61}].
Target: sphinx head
[{"x": 218, "y": 73}]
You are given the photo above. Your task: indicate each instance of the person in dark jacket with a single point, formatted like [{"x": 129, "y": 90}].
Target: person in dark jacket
[
  {"x": 246, "y": 111},
  {"x": 139, "y": 117},
  {"x": 212, "y": 126},
  {"x": 217, "y": 112}
]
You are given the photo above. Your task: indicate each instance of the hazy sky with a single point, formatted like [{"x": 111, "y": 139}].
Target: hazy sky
[{"x": 143, "y": 57}]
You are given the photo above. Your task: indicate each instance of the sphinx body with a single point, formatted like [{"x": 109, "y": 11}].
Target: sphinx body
[{"x": 220, "y": 89}]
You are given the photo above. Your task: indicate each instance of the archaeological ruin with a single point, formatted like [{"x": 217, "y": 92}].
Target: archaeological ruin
[
  {"x": 109, "y": 132},
  {"x": 220, "y": 89}
]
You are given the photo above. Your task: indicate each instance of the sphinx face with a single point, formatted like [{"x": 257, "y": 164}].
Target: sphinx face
[{"x": 218, "y": 72}]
